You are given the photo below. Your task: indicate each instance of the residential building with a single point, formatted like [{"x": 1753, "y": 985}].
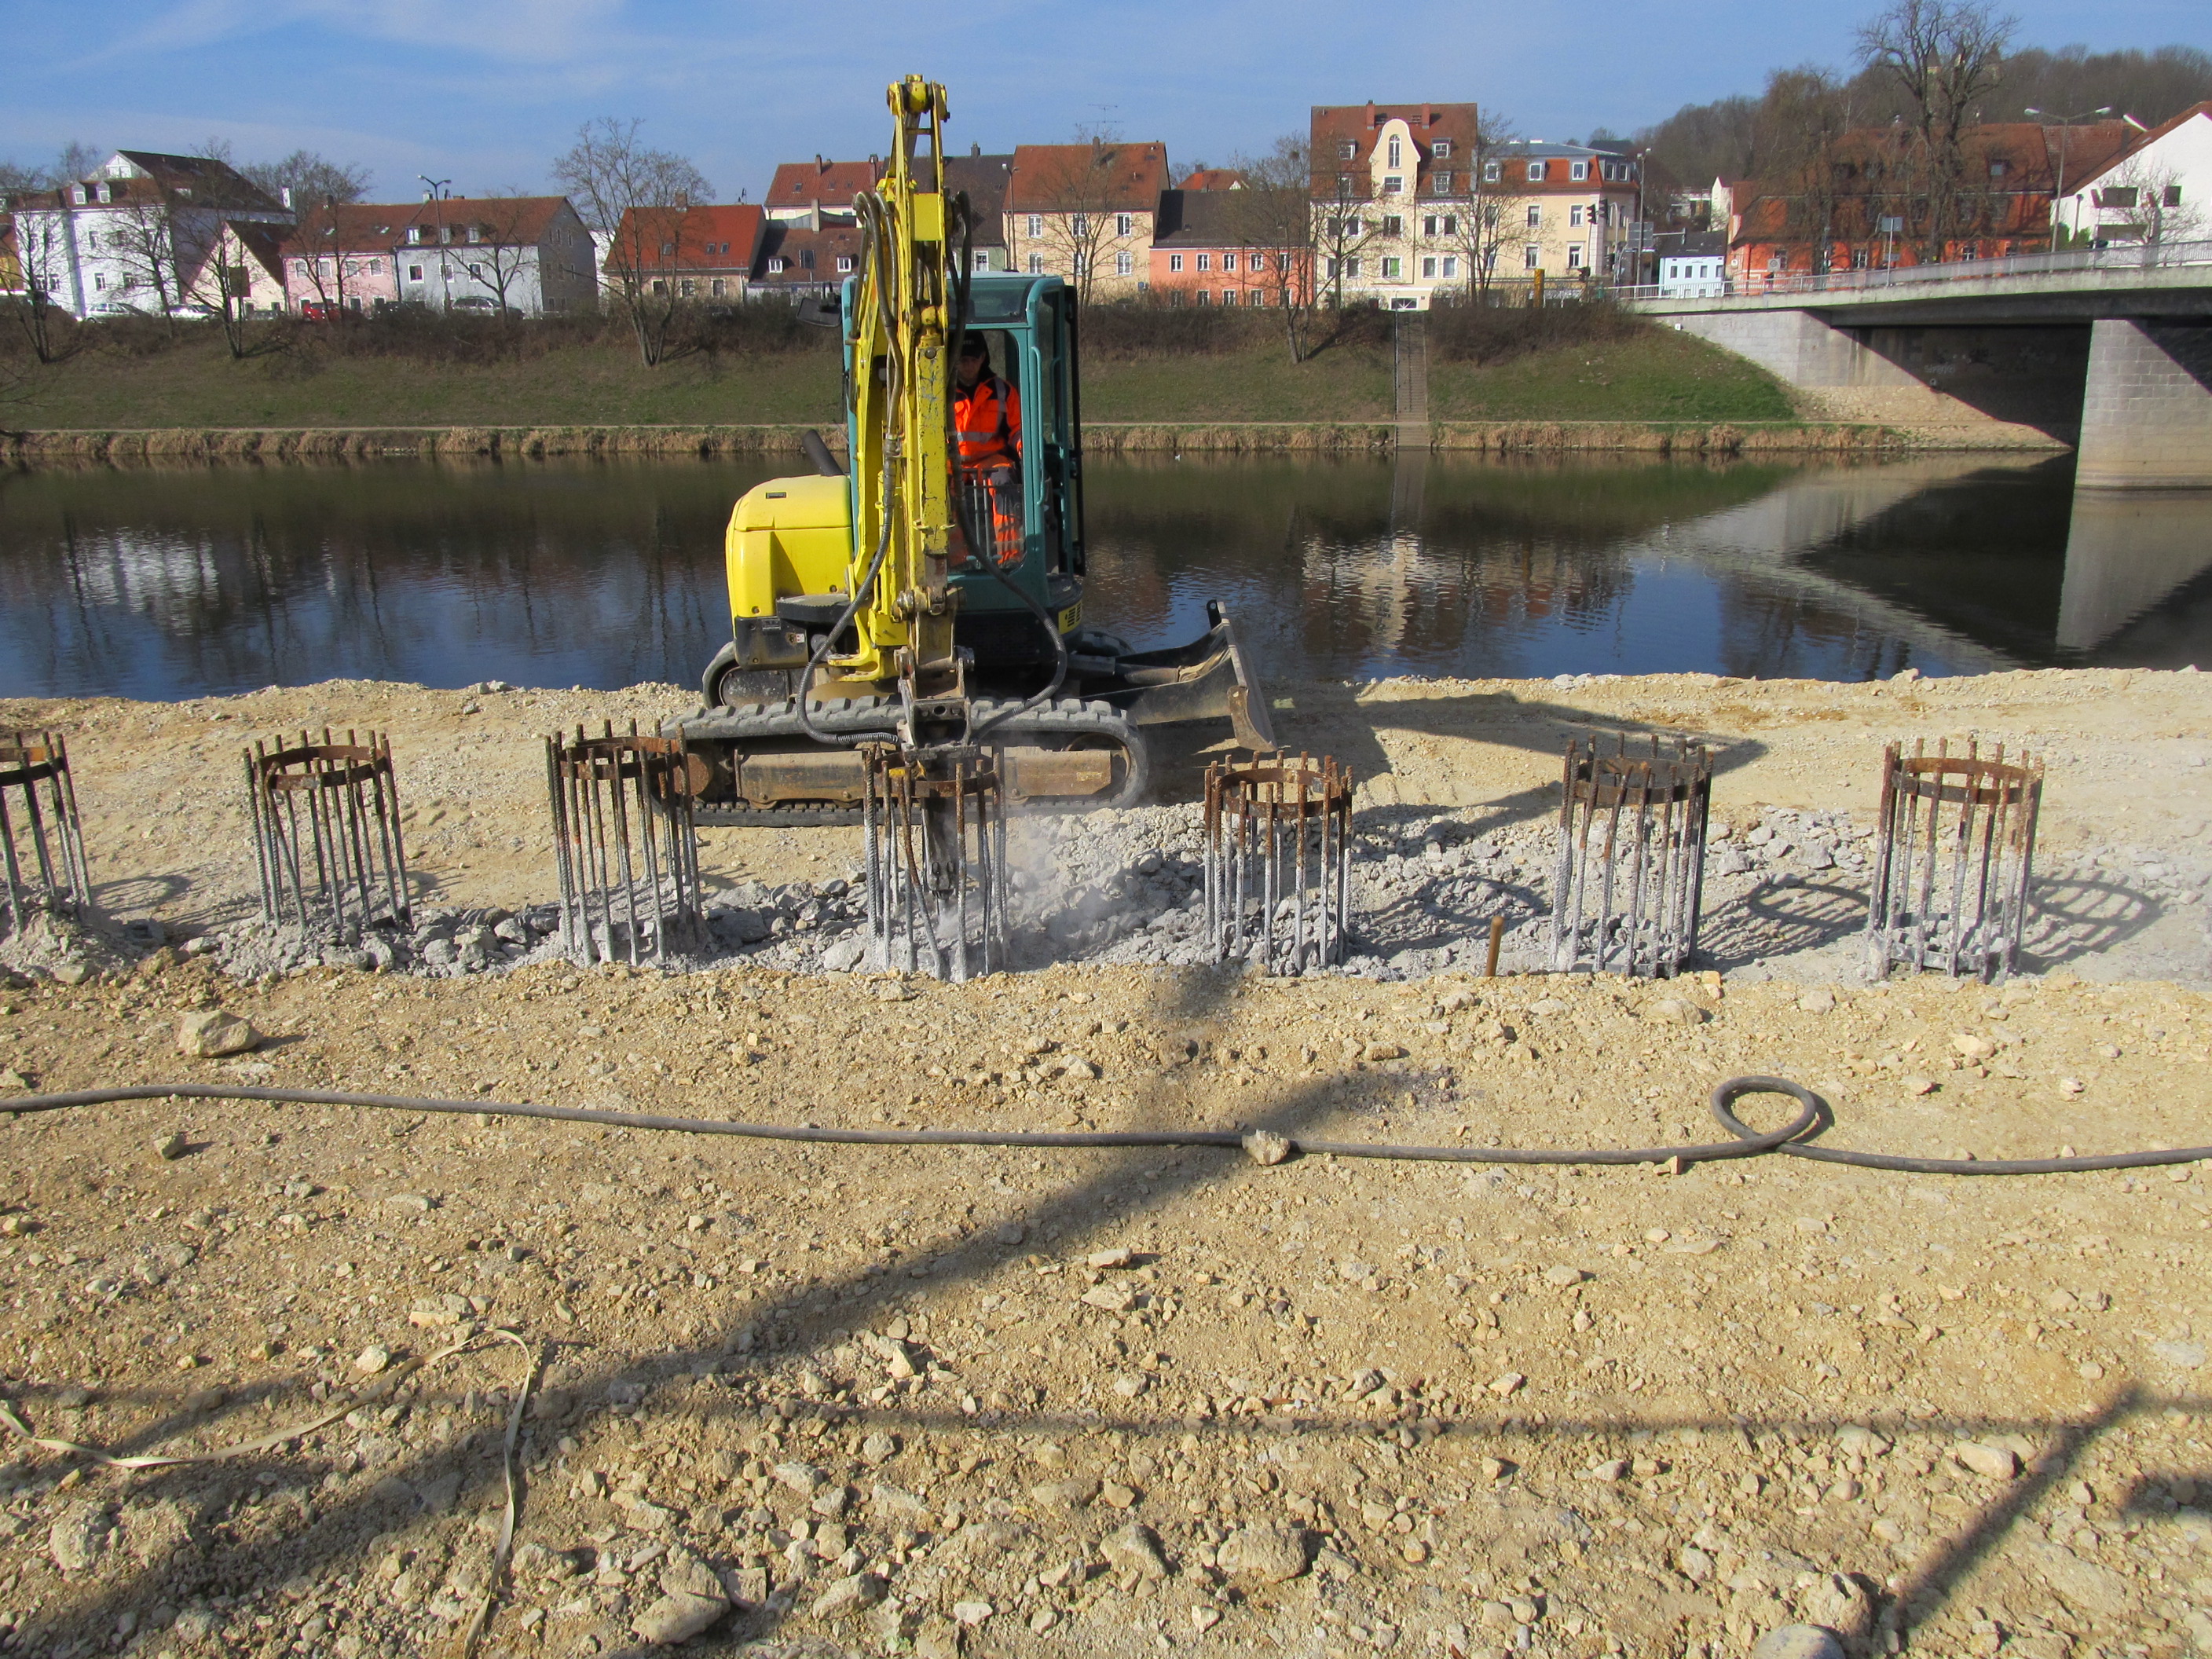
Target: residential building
[
  {"x": 1213, "y": 179},
  {"x": 816, "y": 193},
  {"x": 1086, "y": 212},
  {"x": 529, "y": 254},
  {"x": 251, "y": 258},
  {"x": 1569, "y": 210},
  {"x": 345, "y": 258},
  {"x": 985, "y": 178},
  {"x": 11, "y": 267},
  {"x": 1865, "y": 202},
  {"x": 138, "y": 235},
  {"x": 1204, "y": 252},
  {"x": 1391, "y": 192},
  {"x": 706, "y": 253},
  {"x": 2159, "y": 190},
  {"x": 796, "y": 263},
  {"x": 1692, "y": 264}
]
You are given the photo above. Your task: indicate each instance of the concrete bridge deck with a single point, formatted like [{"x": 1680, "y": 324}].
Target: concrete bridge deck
[{"x": 2109, "y": 349}]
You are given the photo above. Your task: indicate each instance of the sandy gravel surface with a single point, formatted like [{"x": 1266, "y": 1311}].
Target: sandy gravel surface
[{"x": 1016, "y": 1402}]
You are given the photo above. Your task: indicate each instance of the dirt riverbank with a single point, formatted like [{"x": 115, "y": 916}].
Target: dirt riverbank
[{"x": 875, "y": 1400}]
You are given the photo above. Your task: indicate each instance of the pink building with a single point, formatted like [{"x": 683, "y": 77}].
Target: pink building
[{"x": 345, "y": 259}]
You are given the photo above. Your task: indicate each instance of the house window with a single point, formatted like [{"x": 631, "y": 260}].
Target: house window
[
  {"x": 1490, "y": 173},
  {"x": 1441, "y": 148},
  {"x": 1531, "y": 257},
  {"x": 715, "y": 287},
  {"x": 1575, "y": 214},
  {"x": 775, "y": 267},
  {"x": 1578, "y": 170},
  {"x": 1393, "y": 183},
  {"x": 1036, "y": 224},
  {"x": 1079, "y": 226},
  {"x": 1428, "y": 224},
  {"x": 477, "y": 272},
  {"x": 415, "y": 235},
  {"x": 844, "y": 264},
  {"x": 1258, "y": 296},
  {"x": 100, "y": 280},
  {"x": 1392, "y": 225},
  {"x": 687, "y": 288},
  {"x": 1125, "y": 263},
  {"x": 659, "y": 288},
  {"x": 1429, "y": 267},
  {"x": 79, "y": 195},
  {"x": 1229, "y": 297},
  {"x": 1229, "y": 262},
  {"x": 1397, "y": 152},
  {"x": 1393, "y": 268},
  {"x": 1036, "y": 265},
  {"x": 2172, "y": 196},
  {"x": 299, "y": 269},
  {"x": 1344, "y": 184},
  {"x": 1347, "y": 151},
  {"x": 1352, "y": 267},
  {"x": 1574, "y": 256},
  {"x": 1859, "y": 258},
  {"x": 1451, "y": 266},
  {"x": 1125, "y": 224},
  {"x": 1451, "y": 224},
  {"x": 1444, "y": 184},
  {"x": 1206, "y": 262},
  {"x": 476, "y": 233},
  {"x": 1536, "y": 173},
  {"x": 1535, "y": 215},
  {"x": 1203, "y": 296},
  {"x": 983, "y": 259},
  {"x": 1174, "y": 262},
  {"x": 1970, "y": 250},
  {"x": 413, "y": 273},
  {"x": 806, "y": 259},
  {"x": 1330, "y": 268}
]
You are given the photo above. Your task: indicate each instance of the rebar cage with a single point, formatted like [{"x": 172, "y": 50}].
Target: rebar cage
[
  {"x": 625, "y": 845},
  {"x": 1631, "y": 862},
  {"x": 41, "y": 846},
  {"x": 326, "y": 836},
  {"x": 1953, "y": 859},
  {"x": 1278, "y": 866},
  {"x": 936, "y": 830}
]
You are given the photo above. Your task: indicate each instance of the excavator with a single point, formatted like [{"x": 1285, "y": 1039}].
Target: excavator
[{"x": 911, "y": 605}]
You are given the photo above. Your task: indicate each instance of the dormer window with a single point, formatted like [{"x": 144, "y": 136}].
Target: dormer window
[
  {"x": 775, "y": 267},
  {"x": 1397, "y": 152},
  {"x": 1997, "y": 169},
  {"x": 79, "y": 195},
  {"x": 1536, "y": 173},
  {"x": 1490, "y": 171},
  {"x": 1441, "y": 148},
  {"x": 1347, "y": 151},
  {"x": 1577, "y": 171}
]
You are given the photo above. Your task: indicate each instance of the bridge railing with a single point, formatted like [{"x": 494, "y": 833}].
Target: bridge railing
[{"x": 2132, "y": 256}]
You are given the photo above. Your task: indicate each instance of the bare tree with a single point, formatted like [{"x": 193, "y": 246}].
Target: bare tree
[
  {"x": 1074, "y": 196},
  {"x": 1479, "y": 231},
  {"x": 224, "y": 285},
  {"x": 42, "y": 253},
  {"x": 310, "y": 177},
  {"x": 142, "y": 232},
  {"x": 2158, "y": 207},
  {"x": 318, "y": 254},
  {"x": 1340, "y": 227},
  {"x": 500, "y": 254},
  {"x": 1941, "y": 57},
  {"x": 638, "y": 198},
  {"x": 1272, "y": 217}
]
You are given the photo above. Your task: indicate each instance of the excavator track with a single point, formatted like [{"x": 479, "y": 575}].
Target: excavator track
[{"x": 755, "y": 765}]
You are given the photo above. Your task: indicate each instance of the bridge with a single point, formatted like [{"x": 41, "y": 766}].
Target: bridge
[{"x": 2109, "y": 349}]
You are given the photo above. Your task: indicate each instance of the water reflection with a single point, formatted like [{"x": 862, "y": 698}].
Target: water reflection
[{"x": 165, "y": 584}]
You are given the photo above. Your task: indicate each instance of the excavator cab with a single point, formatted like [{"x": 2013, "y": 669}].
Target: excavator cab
[{"x": 791, "y": 558}]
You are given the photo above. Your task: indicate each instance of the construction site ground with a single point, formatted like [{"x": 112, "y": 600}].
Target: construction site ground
[{"x": 823, "y": 1399}]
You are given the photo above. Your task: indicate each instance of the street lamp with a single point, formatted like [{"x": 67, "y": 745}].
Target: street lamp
[
  {"x": 441, "y": 189},
  {"x": 2066, "y": 128}
]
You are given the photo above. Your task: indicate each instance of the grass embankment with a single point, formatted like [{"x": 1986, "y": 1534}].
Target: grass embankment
[{"x": 1142, "y": 366}]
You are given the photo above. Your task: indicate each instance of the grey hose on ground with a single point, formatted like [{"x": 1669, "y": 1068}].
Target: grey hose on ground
[{"x": 1791, "y": 1139}]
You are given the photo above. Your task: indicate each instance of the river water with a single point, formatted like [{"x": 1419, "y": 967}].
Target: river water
[{"x": 170, "y": 584}]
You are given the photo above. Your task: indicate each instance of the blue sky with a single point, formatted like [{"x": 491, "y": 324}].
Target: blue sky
[{"x": 487, "y": 92}]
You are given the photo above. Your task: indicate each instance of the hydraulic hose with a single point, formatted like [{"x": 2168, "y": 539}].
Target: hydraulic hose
[{"x": 1791, "y": 1140}]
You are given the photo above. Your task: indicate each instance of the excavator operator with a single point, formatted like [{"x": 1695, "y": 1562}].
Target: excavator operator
[{"x": 986, "y": 417}]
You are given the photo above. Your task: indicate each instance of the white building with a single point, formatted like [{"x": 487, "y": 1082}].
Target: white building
[
  {"x": 2160, "y": 191},
  {"x": 1696, "y": 268},
  {"x": 140, "y": 234},
  {"x": 1393, "y": 190},
  {"x": 529, "y": 254}
]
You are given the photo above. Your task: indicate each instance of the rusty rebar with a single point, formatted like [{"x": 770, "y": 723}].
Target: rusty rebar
[
  {"x": 1629, "y": 877},
  {"x": 1278, "y": 861},
  {"x": 1954, "y": 855},
  {"x": 935, "y": 822},
  {"x": 327, "y": 843},
  {"x": 41, "y": 841},
  {"x": 625, "y": 847}
]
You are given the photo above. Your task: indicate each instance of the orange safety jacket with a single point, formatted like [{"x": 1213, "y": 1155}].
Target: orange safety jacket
[{"x": 988, "y": 419}]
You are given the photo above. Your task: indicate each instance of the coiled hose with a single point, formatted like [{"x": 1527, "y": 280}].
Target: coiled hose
[{"x": 1792, "y": 1140}]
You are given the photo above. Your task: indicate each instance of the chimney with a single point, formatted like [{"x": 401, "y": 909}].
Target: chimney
[
  {"x": 1371, "y": 113},
  {"x": 285, "y": 196},
  {"x": 975, "y": 150},
  {"x": 820, "y": 166},
  {"x": 682, "y": 201},
  {"x": 1428, "y": 115}
]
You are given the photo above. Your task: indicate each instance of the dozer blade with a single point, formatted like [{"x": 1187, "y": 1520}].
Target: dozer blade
[{"x": 1208, "y": 679}]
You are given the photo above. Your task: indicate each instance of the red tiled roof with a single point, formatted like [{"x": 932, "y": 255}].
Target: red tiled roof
[
  {"x": 1215, "y": 179},
  {"x": 706, "y": 236},
  {"x": 1121, "y": 178},
  {"x": 826, "y": 184},
  {"x": 2105, "y": 163},
  {"x": 1335, "y": 125},
  {"x": 795, "y": 243}
]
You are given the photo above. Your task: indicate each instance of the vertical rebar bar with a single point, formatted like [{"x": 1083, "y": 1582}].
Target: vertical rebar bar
[{"x": 1629, "y": 870}]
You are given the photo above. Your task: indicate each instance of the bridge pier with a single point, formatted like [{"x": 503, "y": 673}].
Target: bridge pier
[{"x": 2147, "y": 410}]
